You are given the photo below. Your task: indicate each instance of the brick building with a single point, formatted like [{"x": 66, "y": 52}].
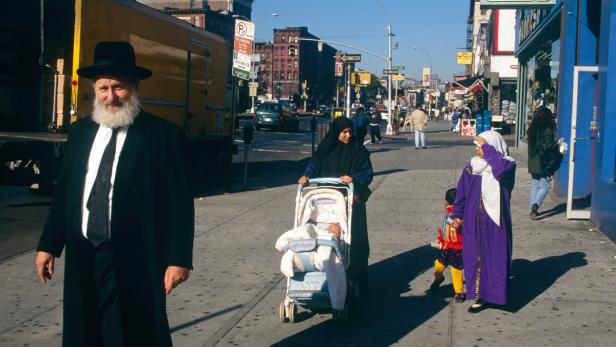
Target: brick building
[{"x": 286, "y": 63}]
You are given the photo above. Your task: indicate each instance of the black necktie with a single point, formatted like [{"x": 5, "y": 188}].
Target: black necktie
[{"x": 98, "y": 202}]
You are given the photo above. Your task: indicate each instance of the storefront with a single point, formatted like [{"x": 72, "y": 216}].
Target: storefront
[
  {"x": 604, "y": 178},
  {"x": 550, "y": 44},
  {"x": 567, "y": 64}
]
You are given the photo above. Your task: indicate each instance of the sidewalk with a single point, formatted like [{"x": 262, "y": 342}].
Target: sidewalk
[{"x": 561, "y": 290}]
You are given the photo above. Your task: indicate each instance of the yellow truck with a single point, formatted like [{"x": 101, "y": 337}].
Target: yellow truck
[{"x": 44, "y": 42}]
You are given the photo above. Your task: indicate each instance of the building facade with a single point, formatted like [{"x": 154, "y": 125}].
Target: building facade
[
  {"x": 288, "y": 62},
  {"x": 552, "y": 45}
]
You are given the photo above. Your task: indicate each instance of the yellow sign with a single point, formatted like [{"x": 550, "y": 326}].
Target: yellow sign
[
  {"x": 397, "y": 77},
  {"x": 464, "y": 58},
  {"x": 361, "y": 78}
]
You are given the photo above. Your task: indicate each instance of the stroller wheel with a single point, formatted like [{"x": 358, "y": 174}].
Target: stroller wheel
[
  {"x": 282, "y": 314},
  {"x": 292, "y": 312}
]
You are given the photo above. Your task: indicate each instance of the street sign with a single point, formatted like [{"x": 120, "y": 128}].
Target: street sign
[
  {"x": 398, "y": 67},
  {"x": 252, "y": 88},
  {"x": 351, "y": 58},
  {"x": 339, "y": 69},
  {"x": 425, "y": 78},
  {"x": 242, "y": 48},
  {"x": 397, "y": 77},
  {"x": 390, "y": 71}
]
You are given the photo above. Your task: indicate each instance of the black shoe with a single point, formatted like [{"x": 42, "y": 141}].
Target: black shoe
[
  {"x": 424, "y": 147},
  {"x": 534, "y": 212},
  {"x": 437, "y": 282},
  {"x": 477, "y": 307},
  {"x": 459, "y": 297}
]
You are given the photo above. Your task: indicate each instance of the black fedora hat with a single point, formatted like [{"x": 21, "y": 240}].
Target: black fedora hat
[{"x": 117, "y": 57}]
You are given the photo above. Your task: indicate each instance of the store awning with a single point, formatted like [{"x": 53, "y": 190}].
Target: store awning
[{"x": 470, "y": 85}]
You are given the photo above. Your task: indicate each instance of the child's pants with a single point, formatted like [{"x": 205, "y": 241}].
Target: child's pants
[{"x": 456, "y": 276}]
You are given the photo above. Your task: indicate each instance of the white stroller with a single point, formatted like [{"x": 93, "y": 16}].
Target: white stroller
[{"x": 309, "y": 287}]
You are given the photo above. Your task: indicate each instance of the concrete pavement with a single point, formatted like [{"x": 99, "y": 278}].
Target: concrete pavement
[{"x": 561, "y": 293}]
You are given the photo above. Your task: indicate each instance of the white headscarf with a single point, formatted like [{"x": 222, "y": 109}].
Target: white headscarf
[{"x": 490, "y": 187}]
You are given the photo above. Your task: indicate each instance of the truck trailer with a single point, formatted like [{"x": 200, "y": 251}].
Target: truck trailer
[{"x": 44, "y": 42}]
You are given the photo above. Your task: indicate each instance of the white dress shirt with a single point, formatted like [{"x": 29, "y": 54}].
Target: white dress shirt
[{"x": 96, "y": 154}]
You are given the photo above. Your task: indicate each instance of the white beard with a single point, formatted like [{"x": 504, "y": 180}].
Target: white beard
[{"x": 120, "y": 118}]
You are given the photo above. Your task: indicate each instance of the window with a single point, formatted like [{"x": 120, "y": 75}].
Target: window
[
  {"x": 289, "y": 76},
  {"x": 288, "y": 64},
  {"x": 295, "y": 64},
  {"x": 282, "y": 38},
  {"x": 281, "y": 75},
  {"x": 295, "y": 75}
]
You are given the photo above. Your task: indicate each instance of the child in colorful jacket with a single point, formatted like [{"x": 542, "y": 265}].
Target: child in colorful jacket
[{"x": 449, "y": 241}]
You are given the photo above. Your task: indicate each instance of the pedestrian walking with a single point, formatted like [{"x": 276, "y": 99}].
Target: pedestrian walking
[
  {"x": 341, "y": 155},
  {"x": 449, "y": 241},
  {"x": 375, "y": 127},
  {"x": 419, "y": 121},
  {"x": 483, "y": 208},
  {"x": 454, "y": 122},
  {"x": 540, "y": 136},
  {"x": 123, "y": 213},
  {"x": 360, "y": 125}
]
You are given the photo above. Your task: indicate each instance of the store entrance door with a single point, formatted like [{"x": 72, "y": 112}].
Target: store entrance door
[{"x": 574, "y": 210}]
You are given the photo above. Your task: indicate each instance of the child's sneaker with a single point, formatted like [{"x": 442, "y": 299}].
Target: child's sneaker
[
  {"x": 437, "y": 282},
  {"x": 436, "y": 244},
  {"x": 460, "y": 297}
]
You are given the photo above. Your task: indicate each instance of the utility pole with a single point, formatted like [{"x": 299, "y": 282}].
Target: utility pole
[
  {"x": 348, "y": 91},
  {"x": 389, "y": 108}
]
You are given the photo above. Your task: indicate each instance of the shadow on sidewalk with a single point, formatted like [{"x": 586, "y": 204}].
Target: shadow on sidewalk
[
  {"x": 261, "y": 175},
  {"x": 531, "y": 278},
  {"x": 388, "y": 312},
  {"x": 578, "y": 204}
]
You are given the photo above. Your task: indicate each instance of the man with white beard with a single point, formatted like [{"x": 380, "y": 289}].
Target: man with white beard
[{"x": 123, "y": 211}]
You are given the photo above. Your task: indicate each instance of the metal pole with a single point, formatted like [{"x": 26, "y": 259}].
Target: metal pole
[
  {"x": 253, "y": 71},
  {"x": 246, "y": 148},
  {"x": 389, "y": 108},
  {"x": 348, "y": 96}
]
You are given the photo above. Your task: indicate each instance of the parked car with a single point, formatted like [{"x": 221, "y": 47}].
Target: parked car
[{"x": 276, "y": 116}]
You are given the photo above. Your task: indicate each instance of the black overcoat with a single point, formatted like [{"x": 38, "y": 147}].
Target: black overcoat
[{"x": 152, "y": 227}]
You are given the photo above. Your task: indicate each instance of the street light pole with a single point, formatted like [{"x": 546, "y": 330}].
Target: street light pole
[{"x": 389, "y": 108}]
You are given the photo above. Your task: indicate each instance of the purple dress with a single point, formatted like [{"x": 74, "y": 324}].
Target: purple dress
[{"x": 486, "y": 247}]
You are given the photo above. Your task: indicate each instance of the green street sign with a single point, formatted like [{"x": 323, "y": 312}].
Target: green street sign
[
  {"x": 243, "y": 74},
  {"x": 398, "y": 67}
]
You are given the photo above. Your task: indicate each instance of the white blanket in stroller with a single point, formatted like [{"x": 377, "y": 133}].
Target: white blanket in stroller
[{"x": 323, "y": 259}]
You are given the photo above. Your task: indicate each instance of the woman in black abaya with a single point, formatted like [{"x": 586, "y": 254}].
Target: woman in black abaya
[{"x": 340, "y": 155}]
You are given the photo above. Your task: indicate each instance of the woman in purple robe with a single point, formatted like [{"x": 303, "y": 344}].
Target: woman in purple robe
[{"x": 482, "y": 206}]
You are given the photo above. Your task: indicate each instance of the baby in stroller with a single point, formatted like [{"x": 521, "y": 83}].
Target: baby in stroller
[{"x": 316, "y": 251}]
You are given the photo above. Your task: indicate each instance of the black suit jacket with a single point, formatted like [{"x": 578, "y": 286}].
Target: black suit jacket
[{"x": 152, "y": 227}]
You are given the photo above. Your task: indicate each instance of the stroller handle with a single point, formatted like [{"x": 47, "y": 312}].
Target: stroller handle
[{"x": 325, "y": 180}]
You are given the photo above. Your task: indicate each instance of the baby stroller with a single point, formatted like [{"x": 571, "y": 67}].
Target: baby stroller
[{"x": 309, "y": 288}]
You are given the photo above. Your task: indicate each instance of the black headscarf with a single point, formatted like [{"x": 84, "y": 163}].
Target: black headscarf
[{"x": 335, "y": 158}]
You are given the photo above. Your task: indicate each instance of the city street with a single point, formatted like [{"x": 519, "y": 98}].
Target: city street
[{"x": 561, "y": 289}]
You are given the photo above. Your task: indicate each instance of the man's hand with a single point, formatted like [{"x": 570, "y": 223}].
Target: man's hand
[
  {"x": 303, "y": 181},
  {"x": 174, "y": 275},
  {"x": 346, "y": 179},
  {"x": 44, "y": 266},
  {"x": 335, "y": 230}
]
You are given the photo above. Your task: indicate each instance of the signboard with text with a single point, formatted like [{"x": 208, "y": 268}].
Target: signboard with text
[
  {"x": 464, "y": 58},
  {"x": 242, "y": 48},
  {"x": 351, "y": 58},
  {"x": 425, "y": 77},
  {"x": 516, "y": 4}
]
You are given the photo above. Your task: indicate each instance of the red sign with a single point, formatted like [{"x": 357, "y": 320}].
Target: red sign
[
  {"x": 339, "y": 69},
  {"x": 242, "y": 45}
]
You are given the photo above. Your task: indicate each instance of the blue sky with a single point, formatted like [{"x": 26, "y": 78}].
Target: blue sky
[{"x": 439, "y": 26}]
